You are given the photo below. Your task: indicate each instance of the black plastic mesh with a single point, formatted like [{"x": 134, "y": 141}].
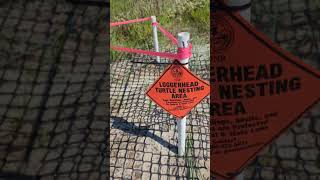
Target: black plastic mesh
[
  {"x": 143, "y": 137},
  {"x": 53, "y": 91}
]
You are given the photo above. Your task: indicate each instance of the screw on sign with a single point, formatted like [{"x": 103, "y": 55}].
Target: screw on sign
[
  {"x": 258, "y": 90},
  {"x": 178, "y": 90}
]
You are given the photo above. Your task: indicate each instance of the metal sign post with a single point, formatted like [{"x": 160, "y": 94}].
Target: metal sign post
[
  {"x": 183, "y": 42},
  {"x": 178, "y": 98},
  {"x": 155, "y": 37}
]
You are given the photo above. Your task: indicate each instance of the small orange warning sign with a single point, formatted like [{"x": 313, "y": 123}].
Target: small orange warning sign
[{"x": 178, "y": 90}]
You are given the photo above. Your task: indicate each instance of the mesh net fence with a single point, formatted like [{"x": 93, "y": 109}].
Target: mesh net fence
[
  {"x": 53, "y": 94},
  {"x": 143, "y": 138},
  {"x": 137, "y": 152},
  {"x": 53, "y": 91}
]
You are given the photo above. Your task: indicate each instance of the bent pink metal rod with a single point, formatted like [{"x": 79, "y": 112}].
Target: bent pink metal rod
[{"x": 183, "y": 53}]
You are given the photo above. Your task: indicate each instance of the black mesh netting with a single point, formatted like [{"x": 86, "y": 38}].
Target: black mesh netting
[
  {"x": 143, "y": 138},
  {"x": 53, "y": 91},
  {"x": 53, "y": 99}
]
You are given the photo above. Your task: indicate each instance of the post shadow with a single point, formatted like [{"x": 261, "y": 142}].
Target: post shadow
[{"x": 131, "y": 128}]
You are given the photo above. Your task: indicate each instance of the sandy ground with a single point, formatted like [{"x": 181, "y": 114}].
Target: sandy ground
[{"x": 143, "y": 137}]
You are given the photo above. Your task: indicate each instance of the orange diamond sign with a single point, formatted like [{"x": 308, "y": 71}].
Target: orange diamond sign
[{"x": 178, "y": 90}]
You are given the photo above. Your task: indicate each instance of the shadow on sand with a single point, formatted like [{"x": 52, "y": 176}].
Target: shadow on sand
[{"x": 131, "y": 128}]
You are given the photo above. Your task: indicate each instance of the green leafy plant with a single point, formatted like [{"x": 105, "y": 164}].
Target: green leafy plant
[
  {"x": 192, "y": 170},
  {"x": 189, "y": 157}
]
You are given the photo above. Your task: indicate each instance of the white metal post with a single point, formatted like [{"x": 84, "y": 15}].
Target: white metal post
[
  {"x": 155, "y": 37},
  {"x": 246, "y": 14},
  {"x": 183, "y": 42}
]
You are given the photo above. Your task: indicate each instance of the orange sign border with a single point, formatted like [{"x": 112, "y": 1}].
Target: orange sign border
[{"x": 174, "y": 63}]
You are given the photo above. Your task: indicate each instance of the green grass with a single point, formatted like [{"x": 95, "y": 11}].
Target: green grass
[
  {"x": 192, "y": 170},
  {"x": 190, "y": 157},
  {"x": 175, "y": 16}
]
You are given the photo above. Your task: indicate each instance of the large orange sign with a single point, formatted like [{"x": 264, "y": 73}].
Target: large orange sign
[
  {"x": 258, "y": 90},
  {"x": 178, "y": 90}
]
